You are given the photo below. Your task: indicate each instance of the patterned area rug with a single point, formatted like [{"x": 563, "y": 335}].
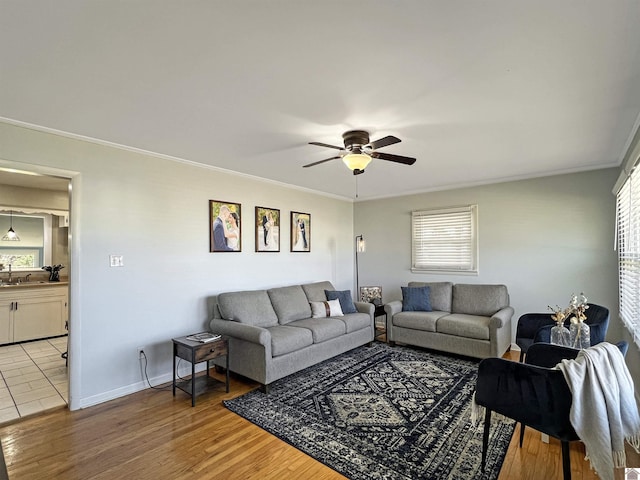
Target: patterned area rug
[{"x": 382, "y": 413}]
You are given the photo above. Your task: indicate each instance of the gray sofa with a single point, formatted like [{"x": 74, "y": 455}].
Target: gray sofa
[
  {"x": 471, "y": 320},
  {"x": 272, "y": 335}
]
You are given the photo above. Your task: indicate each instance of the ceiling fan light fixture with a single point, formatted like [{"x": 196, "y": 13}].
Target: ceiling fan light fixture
[{"x": 356, "y": 161}]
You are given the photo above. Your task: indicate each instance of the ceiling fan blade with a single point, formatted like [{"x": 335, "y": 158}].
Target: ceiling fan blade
[
  {"x": 319, "y": 162},
  {"x": 394, "y": 158},
  {"x": 319, "y": 144},
  {"x": 383, "y": 142}
]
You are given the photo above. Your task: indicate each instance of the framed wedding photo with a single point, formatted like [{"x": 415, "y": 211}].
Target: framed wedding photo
[
  {"x": 300, "y": 232},
  {"x": 224, "y": 227},
  {"x": 267, "y": 229}
]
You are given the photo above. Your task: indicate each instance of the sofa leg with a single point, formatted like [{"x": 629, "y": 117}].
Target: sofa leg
[
  {"x": 264, "y": 389},
  {"x": 392, "y": 343}
]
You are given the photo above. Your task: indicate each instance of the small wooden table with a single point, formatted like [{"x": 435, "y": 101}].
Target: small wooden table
[
  {"x": 196, "y": 352},
  {"x": 380, "y": 331}
]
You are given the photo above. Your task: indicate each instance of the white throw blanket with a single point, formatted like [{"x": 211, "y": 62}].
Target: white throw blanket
[{"x": 604, "y": 412}]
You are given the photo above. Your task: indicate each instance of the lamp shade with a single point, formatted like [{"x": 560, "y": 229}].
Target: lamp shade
[
  {"x": 361, "y": 246},
  {"x": 356, "y": 161},
  {"x": 11, "y": 235}
]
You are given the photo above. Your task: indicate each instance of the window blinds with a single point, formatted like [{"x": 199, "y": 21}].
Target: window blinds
[
  {"x": 628, "y": 245},
  {"x": 445, "y": 240}
]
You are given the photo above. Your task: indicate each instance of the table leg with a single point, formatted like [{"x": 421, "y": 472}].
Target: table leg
[
  {"x": 193, "y": 381},
  {"x": 174, "y": 369},
  {"x": 227, "y": 372}
]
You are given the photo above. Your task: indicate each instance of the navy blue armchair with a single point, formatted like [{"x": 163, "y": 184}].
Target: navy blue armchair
[
  {"x": 531, "y": 393},
  {"x": 536, "y": 327}
]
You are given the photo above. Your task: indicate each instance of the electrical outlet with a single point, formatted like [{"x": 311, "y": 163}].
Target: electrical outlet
[{"x": 140, "y": 351}]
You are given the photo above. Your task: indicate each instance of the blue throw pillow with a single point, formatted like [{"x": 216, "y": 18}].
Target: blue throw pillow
[
  {"x": 346, "y": 302},
  {"x": 416, "y": 299}
]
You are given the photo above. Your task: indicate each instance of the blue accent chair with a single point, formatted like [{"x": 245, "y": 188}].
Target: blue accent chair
[
  {"x": 536, "y": 327},
  {"x": 531, "y": 393}
]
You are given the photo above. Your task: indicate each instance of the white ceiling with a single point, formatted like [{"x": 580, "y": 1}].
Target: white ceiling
[{"x": 478, "y": 91}]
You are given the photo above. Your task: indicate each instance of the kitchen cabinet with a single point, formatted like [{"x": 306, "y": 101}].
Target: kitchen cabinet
[{"x": 32, "y": 313}]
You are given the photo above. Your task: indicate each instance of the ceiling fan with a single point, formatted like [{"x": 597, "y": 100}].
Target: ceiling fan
[{"x": 358, "y": 151}]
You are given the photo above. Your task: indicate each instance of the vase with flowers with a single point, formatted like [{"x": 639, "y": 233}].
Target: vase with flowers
[
  {"x": 578, "y": 334},
  {"x": 579, "y": 331},
  {"x": 559, "y": 333}
]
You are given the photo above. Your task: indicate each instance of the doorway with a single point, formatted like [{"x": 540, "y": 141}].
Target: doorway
[{"x": 34, "y": 373}]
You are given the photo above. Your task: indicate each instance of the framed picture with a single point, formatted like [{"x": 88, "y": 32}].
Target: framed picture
[
  {"x": 371, "y": 295},
  {"x": 224, "y": 227},
  {"x": 300, "y": 232},
  {"x": 267, "y": 229}
]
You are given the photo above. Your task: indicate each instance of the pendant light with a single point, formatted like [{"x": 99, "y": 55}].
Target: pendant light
[{"x": 11, "y": 235}]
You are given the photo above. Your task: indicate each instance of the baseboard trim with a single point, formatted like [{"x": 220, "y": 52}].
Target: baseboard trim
[{"x": 130, "y": 389}]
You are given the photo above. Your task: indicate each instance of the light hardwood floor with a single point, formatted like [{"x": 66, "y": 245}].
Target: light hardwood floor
[{"x": 152, "y": 435}]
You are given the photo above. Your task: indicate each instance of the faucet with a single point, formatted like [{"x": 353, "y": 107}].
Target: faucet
[
  {"x": 26, "y": 277},
  {"x": 9, "y": 274}
]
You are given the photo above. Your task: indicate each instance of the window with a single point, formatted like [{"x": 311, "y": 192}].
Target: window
[
  {"x": 28, "y": 253},
  {"x": 628, "y": 245},
  {"x": 445, "y": 241}
]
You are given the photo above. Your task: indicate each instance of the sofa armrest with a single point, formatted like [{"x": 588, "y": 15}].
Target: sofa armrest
[
  {"x": 501, "y": 318},
  {"x": 250, "y": 333},
  {"x": 365, "y": 307},
  {"x": 392, "y": 308}
]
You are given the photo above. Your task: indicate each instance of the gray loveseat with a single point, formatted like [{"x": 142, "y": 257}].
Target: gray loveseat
[
  {"x": 472, "y": 320},
  {"x": 272, "y": 335}
]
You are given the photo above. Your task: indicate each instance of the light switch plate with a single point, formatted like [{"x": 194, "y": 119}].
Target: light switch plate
[{"x": 116, "y": 261}]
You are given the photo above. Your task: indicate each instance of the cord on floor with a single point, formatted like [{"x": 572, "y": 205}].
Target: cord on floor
[{"x": 146, "y": 376}]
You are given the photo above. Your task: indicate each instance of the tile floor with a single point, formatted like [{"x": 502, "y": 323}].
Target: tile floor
[{"x": 33, "y": 378}]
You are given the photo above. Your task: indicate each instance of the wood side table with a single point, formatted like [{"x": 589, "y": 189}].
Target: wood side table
[
  {"x": 380, "y": 331},
  {"x": 196, "y": 352}
]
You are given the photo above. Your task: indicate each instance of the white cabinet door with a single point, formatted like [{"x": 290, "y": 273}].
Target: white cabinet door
[
  {"x": 6, "y": 321},
  {"x": 38, "y": 318}
]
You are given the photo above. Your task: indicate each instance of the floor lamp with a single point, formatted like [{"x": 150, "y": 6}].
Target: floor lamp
[{"x": 360, "y": 247}]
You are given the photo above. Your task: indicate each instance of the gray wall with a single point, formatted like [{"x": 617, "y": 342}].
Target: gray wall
[
  {"x": 544, "y": 238},
  {"x": 154, "y": 212}
]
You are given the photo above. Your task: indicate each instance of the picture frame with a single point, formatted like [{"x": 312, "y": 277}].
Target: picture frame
[
  {"x": 225, "y": 230},
  {"x": 371, "y": 294},
  {"x": 267, "y": 227},
  {"x": 300, "y": 232}
]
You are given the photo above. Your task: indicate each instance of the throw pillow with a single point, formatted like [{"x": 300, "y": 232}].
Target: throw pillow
[
  {"x": 416, "y": 299},
  {"x": 330, "y": 308},
  {"x": 344, "y": 296}
]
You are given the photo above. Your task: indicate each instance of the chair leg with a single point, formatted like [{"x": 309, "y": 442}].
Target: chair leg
[
  {"x": 521, "y": 355},
  {"x": 522, "y": 427},
  {"x": 566, "y": 461},
  {"x": 485, "y": 437}
]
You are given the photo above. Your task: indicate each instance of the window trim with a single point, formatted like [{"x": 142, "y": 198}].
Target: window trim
[{"x": 472, "y": 241}]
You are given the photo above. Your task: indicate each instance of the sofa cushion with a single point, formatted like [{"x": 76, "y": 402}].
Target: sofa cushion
[
  {"x": 439, "y": 296},
  {"x": 462, "y": 325},
  {"x": 289, "y": 303},
  {"x": 346, "y": 302},
  {"x": 482, "y": 300},
  {"x": 356, "y": 321},
  {"x": 286, "y": 339},
  {"x": 251, "y": 307},
  {"x": 321, "y": 329},
  {"x": 315, "y": 291},
  {"x": 425, "y": 321},
  {"x": 415, "y": 299},
  {"x": 328, "y": 308}
]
